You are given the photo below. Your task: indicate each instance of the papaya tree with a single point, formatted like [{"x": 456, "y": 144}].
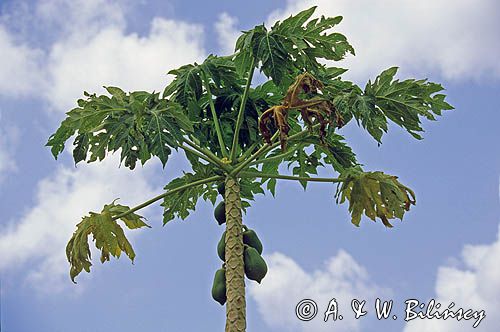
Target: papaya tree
[{"x": 237, "y": 136}]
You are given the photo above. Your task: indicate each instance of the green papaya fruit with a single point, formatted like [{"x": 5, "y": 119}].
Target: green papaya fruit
[
  {"x": 219, "y": 286},
  {"x": 221, "y": 247},
  {"x": 220, "y": 213},
  {"x": 251, "y": 238},
  {"x": 221, "y": 188},
  {"x": 255, "y": 266}
]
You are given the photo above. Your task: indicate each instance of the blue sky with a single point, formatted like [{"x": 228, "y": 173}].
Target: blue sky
[{"x": 446, "y": 248}]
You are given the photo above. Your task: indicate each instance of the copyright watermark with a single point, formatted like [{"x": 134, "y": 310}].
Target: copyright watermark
[{"x": 307, "y": 310}]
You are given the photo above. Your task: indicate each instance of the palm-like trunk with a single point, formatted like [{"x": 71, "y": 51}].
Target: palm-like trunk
[{"x": 235, "y": 271}]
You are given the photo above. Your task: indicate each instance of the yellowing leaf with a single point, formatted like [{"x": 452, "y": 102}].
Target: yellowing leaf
[
  {"x": 374, "y": 194},
  {"x": 108, "y": 236}
]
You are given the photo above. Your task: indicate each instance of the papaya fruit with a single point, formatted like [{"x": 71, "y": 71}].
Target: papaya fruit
[
  {"x": 221, "y": 247},
  {"x": 251, "y": 238},
  {"x": 220, "y": 213},
  {"x": 219, "y": 286},
  {"x": 221, "y": 188},
  {"x": 255, "y": 266}
]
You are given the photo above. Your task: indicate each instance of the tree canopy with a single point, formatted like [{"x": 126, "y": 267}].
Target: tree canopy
[{"x": 227, "y": 126}]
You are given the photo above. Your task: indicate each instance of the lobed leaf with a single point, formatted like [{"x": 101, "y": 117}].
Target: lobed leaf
[
  {"x": 374, "y": 194},
  {"x": 108, "y": 236},
  {"x": 291, "y": 47},
  {"x": 181, "y": 203},
  {"x": 140, "y": 124},
  {"x": 402, "y": 102}
]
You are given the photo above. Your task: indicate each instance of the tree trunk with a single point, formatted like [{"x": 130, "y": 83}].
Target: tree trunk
[{"x": 235, "y": 271}]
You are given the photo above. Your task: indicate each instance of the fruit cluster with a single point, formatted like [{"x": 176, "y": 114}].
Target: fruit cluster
[{"x": 255, "y": 266}]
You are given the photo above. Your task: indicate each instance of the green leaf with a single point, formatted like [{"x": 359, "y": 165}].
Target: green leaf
[
  {"x": 314, "y": 39},
  {"x": 186, "y": 86},
  {"x": 292, "y": 46},
  {"x": 294, "y": 23},
  {"x": 63, "y": 133},
  {"x": 140, "y": 124},
  {"x": 268, "y": 49},
  {"x": 306, "y": 164},
  {"x": 334, "y": 151},
  {"x": 266, "y": 95},
  {"x": 108, "y": 236},
  {"x": 249, "y": 187},
  {"x": 180, "y": 203},
  {"x": 225, "y": 83},
  {"x": 374, "y": 194},
  {"x": 369, "y": 115},
  {"x": 81, "y": 147},
  {"x": 271, "y": 166},
  {"x": 158, "y": 129},
  {"x": 222, "y": 72},
  {"x": 118, "y": 93},
  {"x": 403, "y": 102}
]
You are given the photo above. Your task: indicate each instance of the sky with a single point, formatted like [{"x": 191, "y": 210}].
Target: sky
[{"x": 447, "y": 248}]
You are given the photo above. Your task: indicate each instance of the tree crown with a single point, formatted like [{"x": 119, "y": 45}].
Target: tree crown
[{"x": 226, "y": 126}]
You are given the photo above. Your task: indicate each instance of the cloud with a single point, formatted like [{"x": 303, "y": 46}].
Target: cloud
[
  {"x": 473, "y": 283},
  {"x": 287, "y": 283},
  {"x": 87, "y": 17},
  {"x": 94, "y": 50},
  {"x": 457, "y": 39},
  {"x": 227, "y": 32},
  {"x": 39, "y": 237},
  {"x": 19, "y": 72},
  {"x": 114, "y": 58}
]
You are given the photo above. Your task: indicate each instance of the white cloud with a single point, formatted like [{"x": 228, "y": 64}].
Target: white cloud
[
  {"x": 20, "y": 69},
  {"x": 41, "y": 234},
  {"x": 475, "y": 285},
  {"x": 227, "y": 32},
  {"x": 287, "y": 283},
  {"x": 87, "y": 17},
  {"x": 458, "y": 39},
  {"x": 112, "y": 57},
  {"x": 93, "y": 50}
]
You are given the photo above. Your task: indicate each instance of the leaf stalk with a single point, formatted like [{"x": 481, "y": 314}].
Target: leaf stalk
[
  {"x": 173, "y": 191},
  {"x": 214, "y": 115},
  {"x": 241, "y": 111},
  {"x": 289, "y": 177}
]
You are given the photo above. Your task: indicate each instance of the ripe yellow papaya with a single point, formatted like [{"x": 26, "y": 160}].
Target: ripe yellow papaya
[
  {"x": 221, "y": 188},
  {"x": 255, "y": 266},
  {"x": 221, "y": 247},
  {"x": 220, "y": 213},
  {"x": 251, "y": 238},
  {"x": 219, "y": 286}
]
